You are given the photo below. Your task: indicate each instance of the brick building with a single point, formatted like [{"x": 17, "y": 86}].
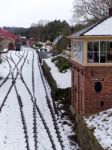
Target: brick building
[{"x": 91, "y": 55}]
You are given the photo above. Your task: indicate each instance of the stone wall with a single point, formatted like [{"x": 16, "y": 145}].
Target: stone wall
[
  {"x": 85, "y": 136},
  {"x": 57, "y": 93},
  {"x": 50, "y": 79}
]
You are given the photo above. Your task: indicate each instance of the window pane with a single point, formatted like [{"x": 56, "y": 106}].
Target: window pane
[
  {"x": 73, "y": 48},
  {"x": 103, "y": 51},
  {"x": 96, "y": 52},
  {"x": 90, "y": 52},
  {"x": 109, "y": 51},
  {"x": 93, "y": 52},
  {"x": 77, "y": 50},
  {"x": 80, "y": 51},
  {"x": 100, "y": 52}
]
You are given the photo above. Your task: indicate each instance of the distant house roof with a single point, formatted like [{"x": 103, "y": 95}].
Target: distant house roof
[
  {"x": 7, "y": 34},
  {"x": 57, "y": 39},
  {"x": 102, "y": 28}
]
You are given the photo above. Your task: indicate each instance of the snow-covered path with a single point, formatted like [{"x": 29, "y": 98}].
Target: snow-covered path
[{"x": 27, "y": 117}]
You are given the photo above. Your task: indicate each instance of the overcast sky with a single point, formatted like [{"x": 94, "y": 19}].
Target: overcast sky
[{"x": 22, "y": 13}]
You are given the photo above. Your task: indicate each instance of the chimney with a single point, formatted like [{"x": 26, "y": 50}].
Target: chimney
[{"x": 110, "y": 11}]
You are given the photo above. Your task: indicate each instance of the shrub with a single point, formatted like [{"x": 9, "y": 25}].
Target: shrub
[
  {"x": 62, "y": 63},
  {"x": 64, "y": 67}
]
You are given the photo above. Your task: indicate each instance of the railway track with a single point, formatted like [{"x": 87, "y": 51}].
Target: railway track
[
  {"x": 11, "y": 69},
  {"x": 52, "y": 111},
  {"x": 6, "y": 79},
  {"x": 34, "y": 112},
  {"x": 18, "y": 96},
  {"x": 20, "y": 103},
  {"x": 33, "y": 99},
  {"x": 22, "y": 116},
  {"x": 18, "y": 67},
  {"x": 35, "y": 107}
]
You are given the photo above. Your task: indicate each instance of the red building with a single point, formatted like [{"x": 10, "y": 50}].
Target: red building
[
  {"x": 91, "y": 55},
  {"x": 7, "y": 40}
]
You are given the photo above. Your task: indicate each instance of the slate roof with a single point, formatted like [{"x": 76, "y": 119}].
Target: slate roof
[{"x": 57, "y": 39}]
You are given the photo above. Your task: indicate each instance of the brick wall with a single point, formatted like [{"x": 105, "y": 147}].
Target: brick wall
[
  {"x": 98, "y": 101},
  {"x": 85, "y": 99},
  {"x": 78, "y": 88}
]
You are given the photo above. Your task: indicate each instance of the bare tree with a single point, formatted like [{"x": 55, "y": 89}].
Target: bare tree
[{"x": 86, "y": 10}]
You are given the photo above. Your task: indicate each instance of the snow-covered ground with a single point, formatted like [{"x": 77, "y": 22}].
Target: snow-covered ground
[
  {"x": 101, "y": 124},
  {"x": 18, "y": 113},
  {"x": 63, "y": 80},
  {"x": 4, "y": 69}
]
